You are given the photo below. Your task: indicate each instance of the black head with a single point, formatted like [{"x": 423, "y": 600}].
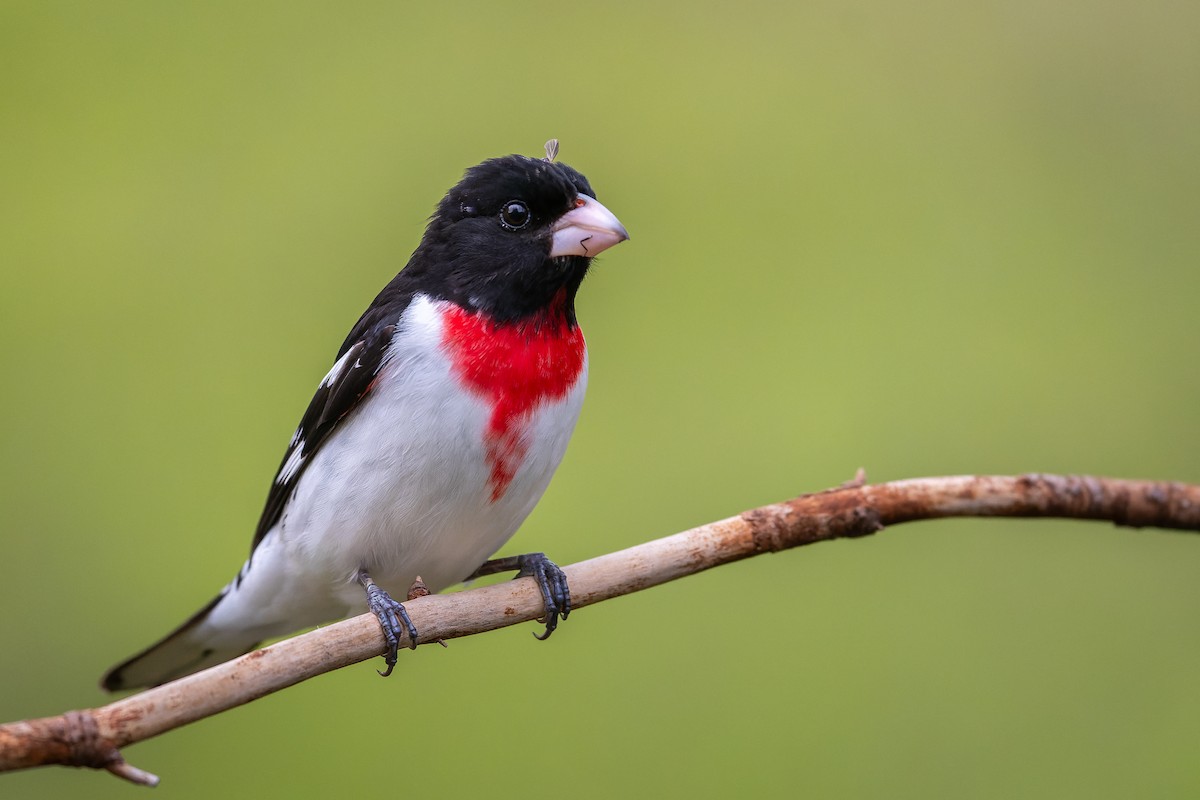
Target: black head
[{"x": 514, "y": 236}]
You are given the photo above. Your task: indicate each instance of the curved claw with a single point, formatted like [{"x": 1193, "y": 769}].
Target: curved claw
[
  {"x": 393, "y": 619},
  {"x": 552, "y": 581}
]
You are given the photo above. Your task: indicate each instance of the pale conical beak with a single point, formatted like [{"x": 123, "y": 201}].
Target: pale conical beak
[{"x": 586, "y": 230}]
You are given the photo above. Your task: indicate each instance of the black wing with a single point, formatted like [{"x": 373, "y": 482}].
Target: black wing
[{"x": 340, "y": 392}]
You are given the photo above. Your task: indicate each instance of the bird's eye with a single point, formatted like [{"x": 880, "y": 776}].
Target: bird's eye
[{"x": 514, "y": 215}]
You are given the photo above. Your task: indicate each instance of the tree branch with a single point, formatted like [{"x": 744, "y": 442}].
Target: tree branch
[{"x": 93, "y": 737}]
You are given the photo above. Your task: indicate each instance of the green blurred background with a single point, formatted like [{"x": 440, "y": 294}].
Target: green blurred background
[{"x": 924, "y": 239}]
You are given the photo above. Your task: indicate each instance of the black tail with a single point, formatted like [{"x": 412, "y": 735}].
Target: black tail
[{"x": 179, "y": 653}]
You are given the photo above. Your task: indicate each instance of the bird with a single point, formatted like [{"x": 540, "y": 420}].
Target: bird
[{"x": 435, "y": 433}]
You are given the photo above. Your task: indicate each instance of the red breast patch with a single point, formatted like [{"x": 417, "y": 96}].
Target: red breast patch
[{"x": 515, "y": 367}]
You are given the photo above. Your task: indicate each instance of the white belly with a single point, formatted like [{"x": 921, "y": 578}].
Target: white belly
[{"x": 401, "y": 489}]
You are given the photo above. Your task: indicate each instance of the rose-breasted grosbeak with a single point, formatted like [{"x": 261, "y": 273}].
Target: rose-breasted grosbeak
[{"x": 436, "y": 431}]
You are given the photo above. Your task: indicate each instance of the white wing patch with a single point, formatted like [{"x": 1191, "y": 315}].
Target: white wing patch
[
  {"x": 295, "y": 458},
  {"x": 336, "y": 370}
]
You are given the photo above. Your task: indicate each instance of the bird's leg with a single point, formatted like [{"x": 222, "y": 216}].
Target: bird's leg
[
  {"x": 392, "y": 618},
  {"x": 556, "y": 595}
]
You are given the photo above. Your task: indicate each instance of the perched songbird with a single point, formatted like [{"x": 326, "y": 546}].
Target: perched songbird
[{"x": 435, "y": 433}]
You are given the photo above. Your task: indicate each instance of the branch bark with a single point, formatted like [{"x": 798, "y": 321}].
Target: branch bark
[{"x": 93, "y": 737}]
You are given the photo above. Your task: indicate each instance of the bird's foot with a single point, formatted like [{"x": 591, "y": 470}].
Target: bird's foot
[
  {"x": 551, "y": 580},
  {"x": 393, "y": 619}
]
